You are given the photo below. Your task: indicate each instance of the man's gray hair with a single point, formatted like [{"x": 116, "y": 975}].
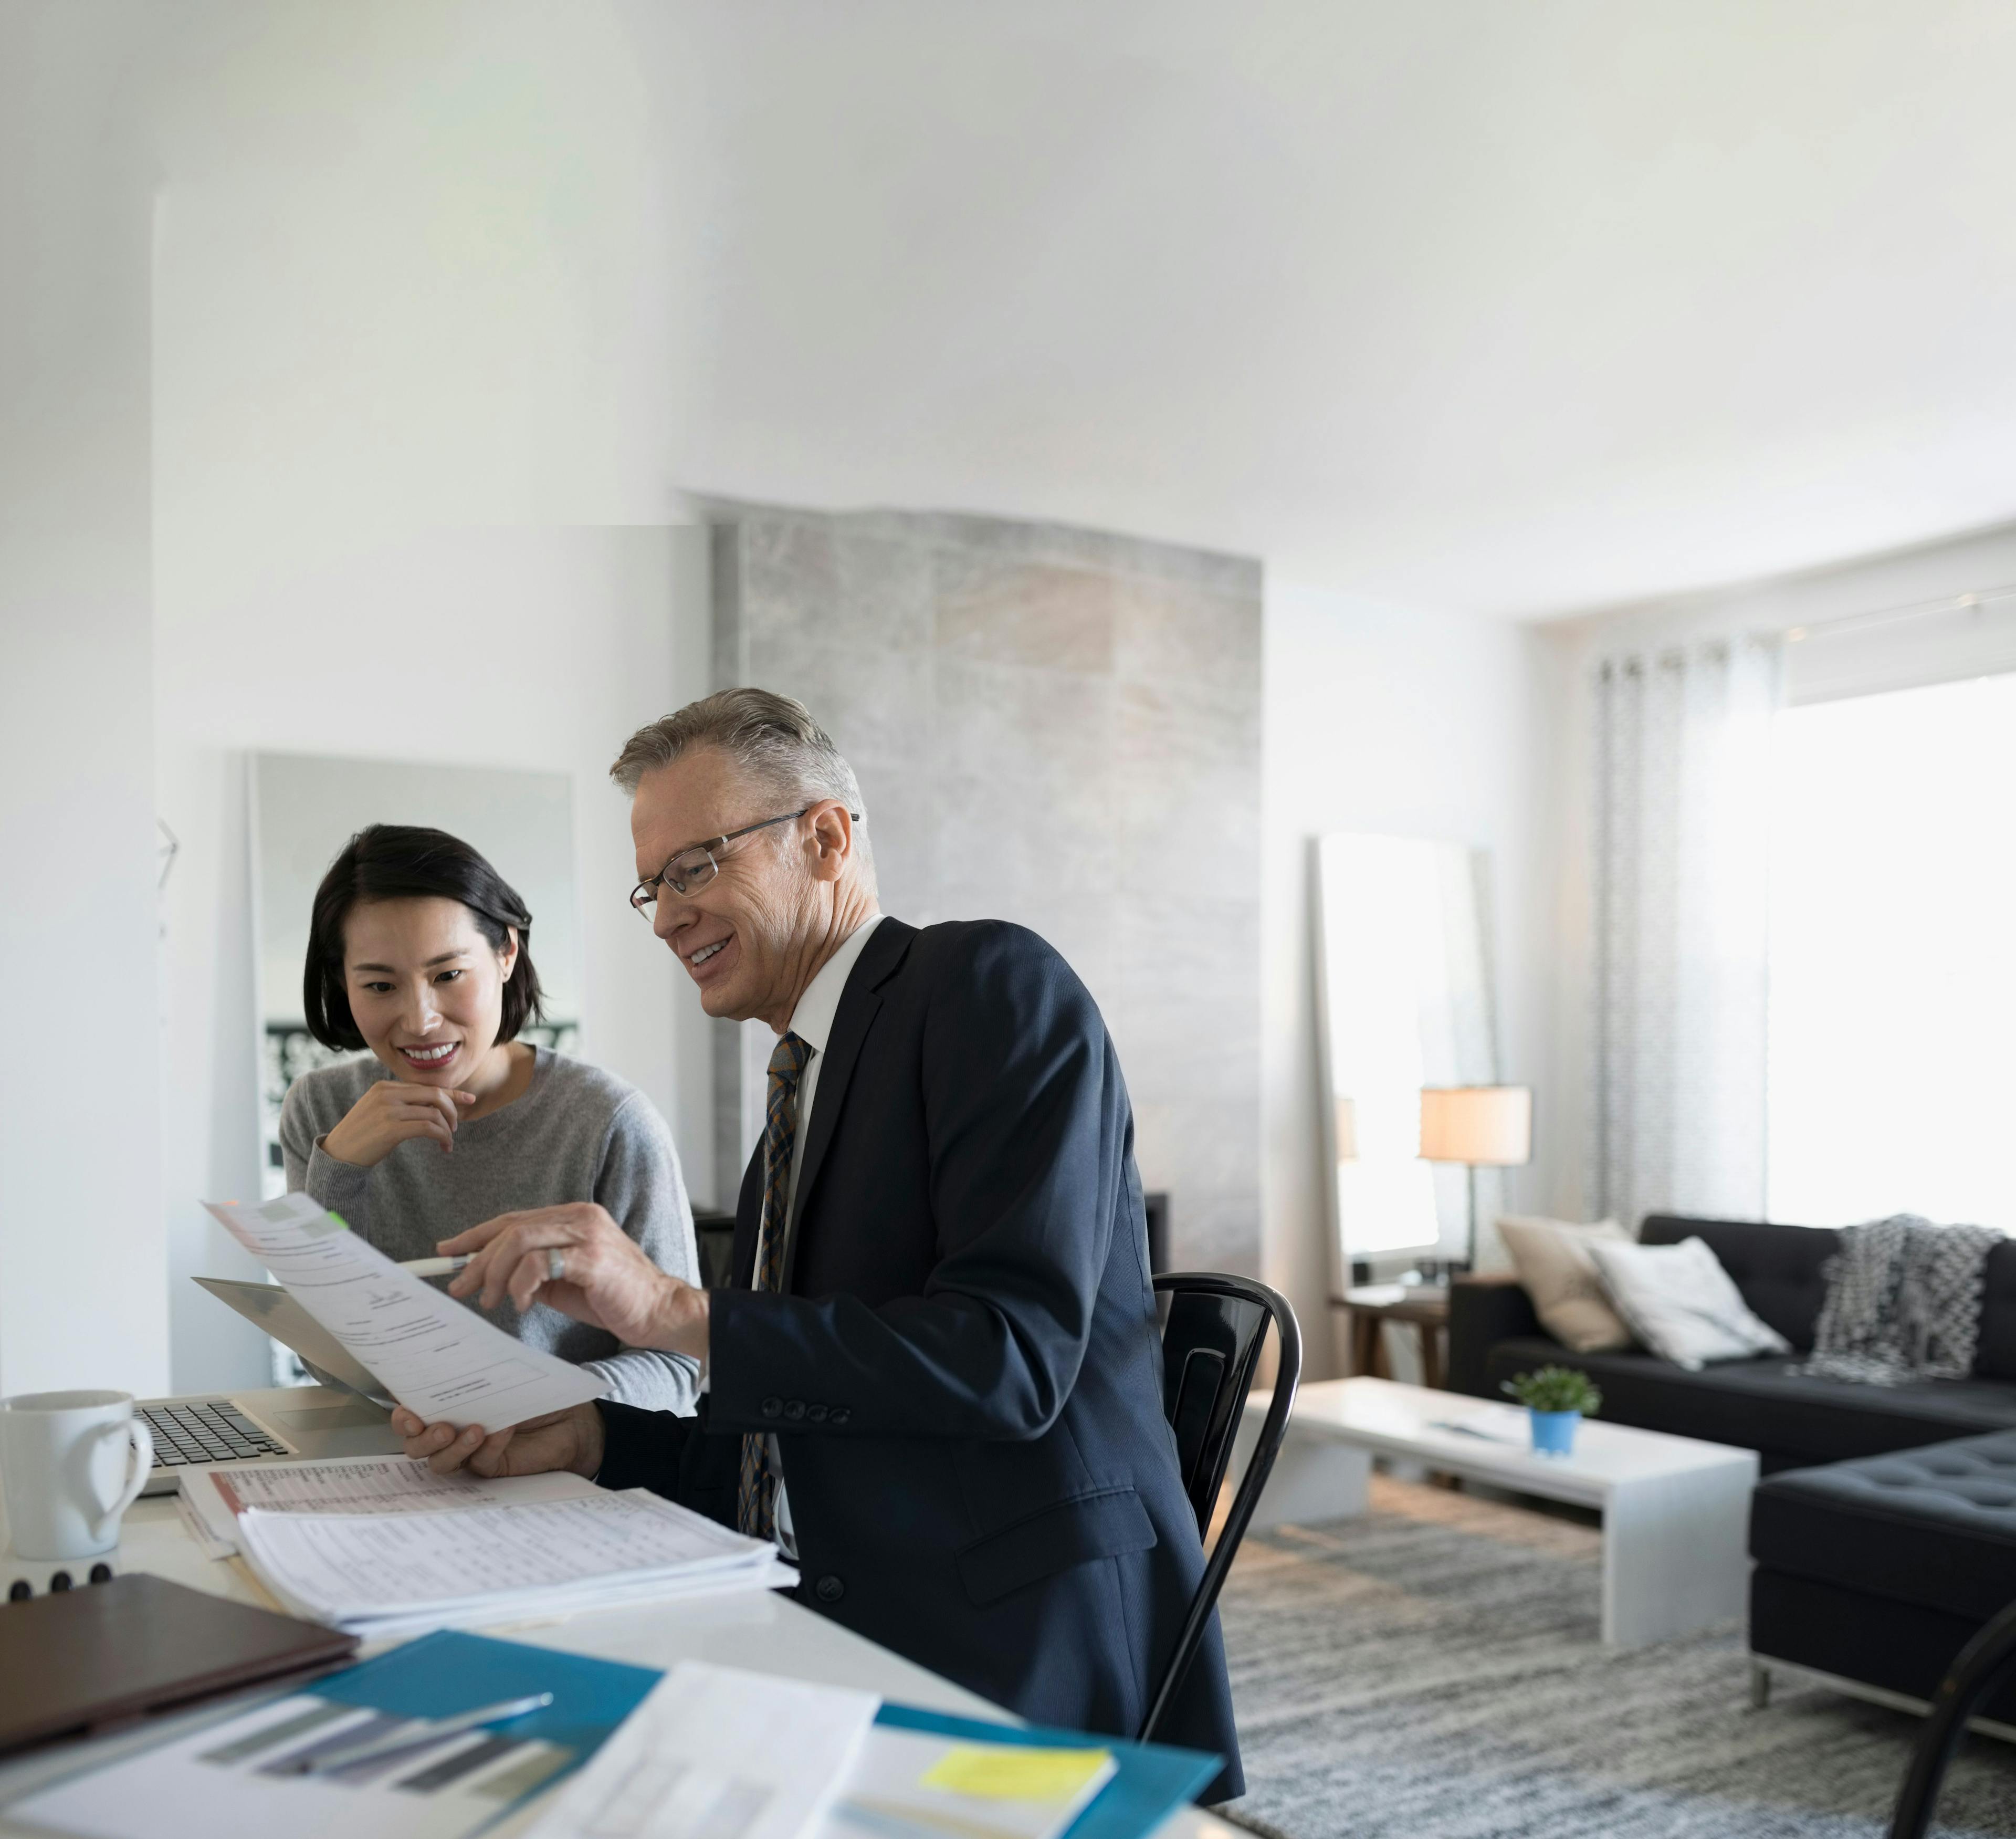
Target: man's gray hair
[{"x": 772, "y": 738}]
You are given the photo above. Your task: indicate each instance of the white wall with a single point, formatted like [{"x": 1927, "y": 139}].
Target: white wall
[
  {"x": 81, "y": 1267},
  {"x": 1387, "y": 718}
]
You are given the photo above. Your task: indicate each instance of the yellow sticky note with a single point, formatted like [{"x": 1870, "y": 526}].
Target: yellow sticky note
[{"x": 1009, "y": 1771}]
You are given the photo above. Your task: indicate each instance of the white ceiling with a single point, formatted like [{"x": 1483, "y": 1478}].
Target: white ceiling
[
  {"x": 1506, "y": 305},
  {"x": 1487, "y": 303}
]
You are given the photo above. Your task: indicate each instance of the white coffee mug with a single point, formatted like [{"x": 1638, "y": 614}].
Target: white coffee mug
[{"x": 72, "y": 1463}]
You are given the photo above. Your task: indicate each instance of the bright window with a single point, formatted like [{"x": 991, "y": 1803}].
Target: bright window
[{"x": 1893, "y": 957}]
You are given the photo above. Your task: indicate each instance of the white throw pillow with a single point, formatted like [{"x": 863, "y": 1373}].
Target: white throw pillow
[
  {"x": 1682, "y": 1304},
  {"x": 1552, "y": 1257}
]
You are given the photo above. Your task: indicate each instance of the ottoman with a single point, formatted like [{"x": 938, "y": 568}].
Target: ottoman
[{"x": 1877, "y": 1571}]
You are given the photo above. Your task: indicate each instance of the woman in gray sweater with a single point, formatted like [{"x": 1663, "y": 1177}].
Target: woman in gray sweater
[{"x": 417, "y": 950}]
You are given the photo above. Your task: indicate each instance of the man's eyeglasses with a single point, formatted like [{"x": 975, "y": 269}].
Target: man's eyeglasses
[{"x": 692, "y": 868}]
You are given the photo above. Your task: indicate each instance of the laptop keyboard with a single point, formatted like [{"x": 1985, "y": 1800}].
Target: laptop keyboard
[{"x": 186, "y": 1433}]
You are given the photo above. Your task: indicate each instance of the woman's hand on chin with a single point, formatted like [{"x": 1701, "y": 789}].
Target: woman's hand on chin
[
  {"x": 566, "y": 1440},
  {"x": 576, "y": 1259},
  {"x": 393, "y": 1111}
]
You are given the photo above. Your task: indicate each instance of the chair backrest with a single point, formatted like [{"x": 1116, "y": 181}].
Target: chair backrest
[
  {"x": 1211, "y": 1340},
  {"x": 714, "y": 1238},
  {"x": 1985, "y": 1667}
]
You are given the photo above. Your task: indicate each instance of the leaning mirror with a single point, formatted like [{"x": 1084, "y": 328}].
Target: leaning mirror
[
  {"x": 306, "y": 808},
  {"x": 1404, "y": 1003}
]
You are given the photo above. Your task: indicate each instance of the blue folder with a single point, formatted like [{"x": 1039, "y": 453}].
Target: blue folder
[{"x": 447, "y": 1672}]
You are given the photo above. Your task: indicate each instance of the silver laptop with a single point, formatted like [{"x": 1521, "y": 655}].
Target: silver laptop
[{"x": 348, "y": 1414}]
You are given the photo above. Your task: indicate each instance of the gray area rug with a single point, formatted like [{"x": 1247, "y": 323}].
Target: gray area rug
[{"x": 1432, "y": 1670}]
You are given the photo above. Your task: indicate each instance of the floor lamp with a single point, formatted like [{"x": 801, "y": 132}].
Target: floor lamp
[{"x": 1480, "y": 1127}]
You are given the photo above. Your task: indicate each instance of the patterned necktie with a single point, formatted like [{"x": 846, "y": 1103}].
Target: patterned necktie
[{"x": 756, "y": 1495}]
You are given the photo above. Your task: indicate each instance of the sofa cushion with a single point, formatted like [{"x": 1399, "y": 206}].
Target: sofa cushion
[
  {"x": 1681, "y": 1304},
  {"x": 1552, "y": 1257},
  {"x": 1995, "y": 1355},
  {"x": 1762, "y": 1404},
  {"x": 1935, "y": 1526},
  {"x": 1777, "y": 1268},
  {"x": 1900, "y": 1646}
]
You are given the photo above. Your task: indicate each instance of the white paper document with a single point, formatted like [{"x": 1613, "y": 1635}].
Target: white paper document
[
  {"x": 215, "y": 1497},
  {"x": 913, "y": 1784},
  {"x": 715, "y": 1753},
  {"x": 399, "y": 1573},
  {"x": 435, "y": 1357}
]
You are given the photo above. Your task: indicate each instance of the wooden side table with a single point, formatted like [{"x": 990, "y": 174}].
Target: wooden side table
[{"x": 1425, "y": 1306}]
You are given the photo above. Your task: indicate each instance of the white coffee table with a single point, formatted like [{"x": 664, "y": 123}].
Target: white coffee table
[{"x": 1675, "y": 1512}]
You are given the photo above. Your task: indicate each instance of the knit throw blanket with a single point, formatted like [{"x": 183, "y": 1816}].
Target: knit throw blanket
[{"x": 1903, "y": 1302}]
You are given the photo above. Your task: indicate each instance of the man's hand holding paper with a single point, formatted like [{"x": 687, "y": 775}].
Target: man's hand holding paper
[{"x": 570, "y": 1439}]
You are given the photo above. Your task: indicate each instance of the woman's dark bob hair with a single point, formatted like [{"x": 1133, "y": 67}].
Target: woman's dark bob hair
[{"x": 404, "y": 862}]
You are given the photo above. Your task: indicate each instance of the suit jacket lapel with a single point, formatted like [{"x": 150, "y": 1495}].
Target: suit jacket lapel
[
  {"x": 859, "y": 1004},
  {"x": 748, "y": 1217}
]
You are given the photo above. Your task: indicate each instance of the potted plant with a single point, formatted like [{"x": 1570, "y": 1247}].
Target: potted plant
[{"x": 1557, "y": 1399}]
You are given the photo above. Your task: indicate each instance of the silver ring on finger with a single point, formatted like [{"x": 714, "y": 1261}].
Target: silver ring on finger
[{"x": 556, "y": 1264}]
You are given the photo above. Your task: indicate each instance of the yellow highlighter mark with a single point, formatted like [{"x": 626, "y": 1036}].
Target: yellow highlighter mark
[{"x": 1008, "y": 1771}]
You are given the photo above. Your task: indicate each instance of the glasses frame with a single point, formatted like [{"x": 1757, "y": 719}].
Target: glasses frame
[{"x": 644, "y": 896}]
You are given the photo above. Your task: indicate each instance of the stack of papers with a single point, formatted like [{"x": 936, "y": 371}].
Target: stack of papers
[
  {"x": 378, "y": 1574},
  {"x": 212, "y": 1499}
]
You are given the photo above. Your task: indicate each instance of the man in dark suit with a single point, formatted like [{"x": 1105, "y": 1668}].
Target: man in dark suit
[{"x": 935, "y": 1378}]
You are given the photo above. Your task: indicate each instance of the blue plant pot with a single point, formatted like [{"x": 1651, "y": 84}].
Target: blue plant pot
[{"x": 1553, "y": 1432}]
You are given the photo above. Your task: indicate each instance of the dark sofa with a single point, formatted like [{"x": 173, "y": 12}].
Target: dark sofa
[
  {"x": 1884, "y": 1535},
  {"x": 1791, "y": 1420}
]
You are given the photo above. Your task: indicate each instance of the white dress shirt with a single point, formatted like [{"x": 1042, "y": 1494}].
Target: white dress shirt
[{"x": 812, "y": 1021}]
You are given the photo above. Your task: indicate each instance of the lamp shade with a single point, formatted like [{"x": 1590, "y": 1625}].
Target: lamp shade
[{"x": 1482, "y": 1125}]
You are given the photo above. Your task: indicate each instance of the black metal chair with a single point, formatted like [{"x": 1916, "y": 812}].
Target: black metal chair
[
  {"x": 1986, "y": 1665},
  {"x": 1210, "y": 1347}
]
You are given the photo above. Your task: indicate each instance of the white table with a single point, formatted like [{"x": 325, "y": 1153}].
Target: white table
[
  {"x": 1675, "y": 1512},
  {"x": 757, "y": 1629}
]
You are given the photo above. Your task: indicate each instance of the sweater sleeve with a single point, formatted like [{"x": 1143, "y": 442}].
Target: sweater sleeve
[
  {"x": 342, "y": 1187},
  {"x": 639, "y": 1184}
]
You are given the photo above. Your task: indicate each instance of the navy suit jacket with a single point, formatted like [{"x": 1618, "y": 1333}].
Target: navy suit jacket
[{"x": 964, "y": 1372}]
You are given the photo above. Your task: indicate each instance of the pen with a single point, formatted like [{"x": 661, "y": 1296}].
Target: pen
[
  {"x": 433, "y": 1731},
  {"x": 435, "y": 1267}
]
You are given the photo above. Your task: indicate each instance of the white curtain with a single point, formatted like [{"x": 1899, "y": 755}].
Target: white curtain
[{"x": 1681, "y": 928}]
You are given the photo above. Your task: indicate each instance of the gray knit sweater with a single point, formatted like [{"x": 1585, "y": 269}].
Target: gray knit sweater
[{"x": 576, "y": 1134}]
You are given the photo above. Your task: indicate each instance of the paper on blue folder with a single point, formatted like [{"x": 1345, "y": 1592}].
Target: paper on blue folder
[
  {"x": 1149, "y": 1781},
  {"x": 230, "y": 1780}
]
